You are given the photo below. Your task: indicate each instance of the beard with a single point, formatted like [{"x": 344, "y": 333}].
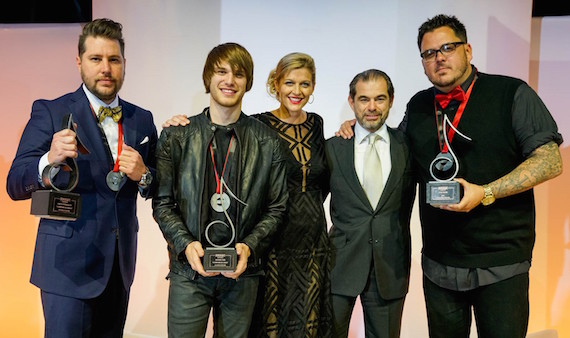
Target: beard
[
  {"x": 451, "y": 77},
  {"x": 372, "y": 125},
  {"x": 104, "y": 93}
]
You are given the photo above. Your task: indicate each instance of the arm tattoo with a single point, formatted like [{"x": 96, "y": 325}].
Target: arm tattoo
[{"x": 543, "y": 164}]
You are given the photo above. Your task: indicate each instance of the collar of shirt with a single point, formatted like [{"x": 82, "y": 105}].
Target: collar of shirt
[
  {"x": 108, "y": 125},
  {"x": 96, "y": 103},
  {"x": 360, "y": 134}
]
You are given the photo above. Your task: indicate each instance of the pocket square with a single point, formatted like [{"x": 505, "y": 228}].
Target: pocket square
[{"x": 145, "y": 140}]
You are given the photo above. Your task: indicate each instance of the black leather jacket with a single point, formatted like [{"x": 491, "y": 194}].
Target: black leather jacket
[{"x": 182, "y": 152}]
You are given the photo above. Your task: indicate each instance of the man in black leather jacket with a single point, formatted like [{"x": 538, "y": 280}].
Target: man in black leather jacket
[{"x": 221, "y": 182}]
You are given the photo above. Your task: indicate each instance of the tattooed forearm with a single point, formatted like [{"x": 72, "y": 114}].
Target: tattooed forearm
[{"x": 543, "y": 164}]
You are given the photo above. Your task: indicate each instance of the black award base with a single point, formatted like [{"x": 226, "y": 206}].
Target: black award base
[
  {"x": 220, "y": 259},
  {"x": 443, "y": 192},
  {"x": 56, "y": 204}
]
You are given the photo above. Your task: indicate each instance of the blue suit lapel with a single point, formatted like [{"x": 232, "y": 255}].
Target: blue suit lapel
[{"x": 129, "y": 124}]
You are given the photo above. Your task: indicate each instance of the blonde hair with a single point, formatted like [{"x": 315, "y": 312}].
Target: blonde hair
[{"x": 288, "y": 63}]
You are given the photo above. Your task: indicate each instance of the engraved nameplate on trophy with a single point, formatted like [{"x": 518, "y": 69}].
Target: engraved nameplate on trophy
[{"x": 220, "y": 259}]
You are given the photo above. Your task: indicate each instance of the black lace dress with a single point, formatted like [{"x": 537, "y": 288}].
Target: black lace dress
[{"x": 296, "y": 301}]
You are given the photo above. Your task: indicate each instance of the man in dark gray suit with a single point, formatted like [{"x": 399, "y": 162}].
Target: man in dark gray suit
[{"x": 372, "y": 192}]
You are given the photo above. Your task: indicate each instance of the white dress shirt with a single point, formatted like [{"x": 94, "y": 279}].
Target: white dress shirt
[{"x": 382, "y": 146}]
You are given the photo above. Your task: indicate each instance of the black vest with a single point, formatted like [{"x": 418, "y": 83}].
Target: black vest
[{"x": 502, "y": 233}]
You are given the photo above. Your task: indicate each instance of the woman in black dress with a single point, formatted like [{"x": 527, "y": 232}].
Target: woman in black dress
[{"x": 296, "y": 291}]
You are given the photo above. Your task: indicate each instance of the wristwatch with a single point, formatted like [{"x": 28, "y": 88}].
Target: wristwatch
[
  {"x": 489, "y": 198},
  {"x": 146, "y": 179}
]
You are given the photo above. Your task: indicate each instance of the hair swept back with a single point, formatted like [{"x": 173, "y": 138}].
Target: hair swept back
[{"x": 105, "y": 28}]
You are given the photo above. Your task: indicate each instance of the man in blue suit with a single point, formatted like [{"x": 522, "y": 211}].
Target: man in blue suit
[{"x": 85, "y": 267}]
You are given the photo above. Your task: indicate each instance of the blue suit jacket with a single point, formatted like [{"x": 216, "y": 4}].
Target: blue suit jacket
[{"x": 75, "y": 258}]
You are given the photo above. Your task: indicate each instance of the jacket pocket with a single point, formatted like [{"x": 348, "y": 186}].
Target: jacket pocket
[{"x": 142, "y": 149}]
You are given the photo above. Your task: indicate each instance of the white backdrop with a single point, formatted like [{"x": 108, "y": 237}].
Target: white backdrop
[
  {"x": 344, "y": 38},
  {"x": 166, "y": 45}
]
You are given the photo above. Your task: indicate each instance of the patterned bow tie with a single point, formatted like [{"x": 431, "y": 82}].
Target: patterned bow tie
[
  {"x": 456, "y": 94},
  {"x": 116, "y": 113}
]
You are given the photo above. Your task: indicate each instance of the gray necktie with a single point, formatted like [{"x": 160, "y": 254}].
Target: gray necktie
[{"x": 372, "y": 171}]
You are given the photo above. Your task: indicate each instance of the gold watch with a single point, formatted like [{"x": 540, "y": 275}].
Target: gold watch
[{"x": 489, "y": 198}]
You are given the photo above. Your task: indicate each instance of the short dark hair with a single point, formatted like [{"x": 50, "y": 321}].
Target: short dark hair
[
  {"x": 368, "y": 75},
  {"x": 442, "y": 20},
  {"x": 105, "y": 28},
  {"x": 236, "y": 55}
]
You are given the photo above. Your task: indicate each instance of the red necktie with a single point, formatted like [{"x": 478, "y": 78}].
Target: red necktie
[{"x": 456, "y": 94}]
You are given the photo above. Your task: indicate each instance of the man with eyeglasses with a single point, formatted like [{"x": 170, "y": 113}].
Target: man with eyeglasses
[{"x": 476, "y": 253}]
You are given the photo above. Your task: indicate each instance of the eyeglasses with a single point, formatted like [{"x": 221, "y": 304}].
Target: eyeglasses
[{"x": 445, "y": 50}]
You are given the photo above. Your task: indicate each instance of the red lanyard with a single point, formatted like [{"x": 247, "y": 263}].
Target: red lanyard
[
  {"x": 218, "y": 180},
  {"x": 456, "y": 119},
  {"x": 119, "y": 147}
]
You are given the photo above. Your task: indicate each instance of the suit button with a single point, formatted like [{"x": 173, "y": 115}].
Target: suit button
[
  {"x": 370, "y": 240},
  {"x": 376, "y": 241}
]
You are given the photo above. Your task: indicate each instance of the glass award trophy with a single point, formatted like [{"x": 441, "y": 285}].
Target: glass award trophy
[
  {"x": 219, "y": 237},
  {"x": 443, "y": 169},
  {"x": 219, "y": 257},
  {"x": 57, "y": 201}
]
